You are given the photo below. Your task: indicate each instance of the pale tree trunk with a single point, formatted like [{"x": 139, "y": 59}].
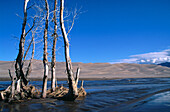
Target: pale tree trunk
[
  {"x": 53, "y": 61},
  {"x": 45, "y": 60},
  {"x": 18, "y": 89},
  {"x": 73, "y": 92},
  {"x": 19, "y": 63},
  {"x": 13, "y": 88},
  {"x": 77, "y": 75}
]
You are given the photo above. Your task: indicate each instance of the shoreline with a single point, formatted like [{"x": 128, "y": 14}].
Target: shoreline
[
  {"x": 87, "y": 79},
  {"x": 129, "y": 105}
]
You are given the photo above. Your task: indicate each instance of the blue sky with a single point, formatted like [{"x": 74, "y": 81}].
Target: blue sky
[{"x": 107, "y": 31}]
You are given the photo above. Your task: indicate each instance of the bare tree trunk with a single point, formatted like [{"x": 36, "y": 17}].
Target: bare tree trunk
[
  {"x": 18, "y": 89},
  {"x": 29, "y": 68},
  {"x": 82, "y": 83},
  {"x": 13, "y": 88},
  {"x": 53, "y": 62},
  {"x": 77, "y": 75},
  {"x": 45, "y": 60},
  {"x": 73, "y": 92},
  {"x": 2, "y": 96},
  {"x": 19, "y": 63}
]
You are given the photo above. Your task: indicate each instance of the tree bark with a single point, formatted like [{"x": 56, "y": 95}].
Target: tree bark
[
  {"x": 19, "y": 64},
  {"x": 77, "y": 75},
  {"x": 73, "y": 92},
  {"x": 53, "y": 62},
  {"x": 18, "y": 89},
  {"x": 29, "y": 68},
  {"x": 13, "y": 88},
  {"x": 2, "y": 96},
  {"x": 45, "y": 60}
]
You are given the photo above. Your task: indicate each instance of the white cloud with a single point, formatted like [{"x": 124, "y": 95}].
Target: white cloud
[
  {"x": 148, "y": 58},
  {"x": 131, "y": 60}
]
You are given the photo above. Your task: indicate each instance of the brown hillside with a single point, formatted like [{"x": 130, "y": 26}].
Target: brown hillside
[{"x": 94, "y": 70}]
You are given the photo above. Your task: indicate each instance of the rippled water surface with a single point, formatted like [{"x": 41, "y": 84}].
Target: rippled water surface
[{"x": 103, "y": 95}]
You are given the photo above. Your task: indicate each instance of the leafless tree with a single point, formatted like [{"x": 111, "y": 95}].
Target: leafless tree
[
  {"x": 45, "y": 60},
  {"x": 19, "y": 63},
  {"x": 53, "y": 61},
  {"x": 35, "y": 27},
  {"x": 73, "y": 92},
  {"x": 20, "y": 80}
]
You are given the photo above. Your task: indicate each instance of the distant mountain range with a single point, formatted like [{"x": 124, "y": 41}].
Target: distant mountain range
[
  {"x": 93, "y": 70},
  {"x": 167, "y": 64},
  {"x": 154, "y": 60}
]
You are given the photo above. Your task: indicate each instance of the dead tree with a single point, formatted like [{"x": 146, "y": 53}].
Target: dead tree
[
  {"x": 73, "y": 91},
  {"x": 53, "y": 61},
  {"x": 21, "y": 77},
  {"x": 29, "y": 68},
  {"x": 19, "y": 63},
  {"x": 45, "y": 60}
]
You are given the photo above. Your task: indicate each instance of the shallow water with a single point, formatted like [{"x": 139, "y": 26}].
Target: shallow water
[
  {"x": 157, "y": 103},
  {"x": 103, "y": 95}
]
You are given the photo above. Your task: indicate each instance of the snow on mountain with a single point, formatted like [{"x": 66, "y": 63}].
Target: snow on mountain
[
  {"x": 153, "y": 60},
  {"x": 148, "y": 58},
  {"x": 167, "y": 64}
]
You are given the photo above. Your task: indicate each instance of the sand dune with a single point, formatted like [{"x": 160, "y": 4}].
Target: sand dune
[{"x": 94, "y": 70}]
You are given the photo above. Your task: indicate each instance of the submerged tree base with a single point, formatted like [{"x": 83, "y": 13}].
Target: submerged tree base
[
  {"x": 30, "y": 92},
  {"x": 62, "y": 93},
  {"x": 27, "y": 92}
]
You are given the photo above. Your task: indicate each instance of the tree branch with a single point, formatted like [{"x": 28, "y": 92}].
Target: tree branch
[
  {"x": 31, "y": 27},
  {"x": 72, "y": 24},
  {"x": 30, "y": 6},
  {"x": 10, "y": 73}
]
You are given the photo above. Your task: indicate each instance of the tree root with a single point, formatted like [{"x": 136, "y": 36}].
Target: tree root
[
  {"x": 30, "y": 92},
  {"x": 62, "y": 93},
  {"x": 27, "y": 92}
]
